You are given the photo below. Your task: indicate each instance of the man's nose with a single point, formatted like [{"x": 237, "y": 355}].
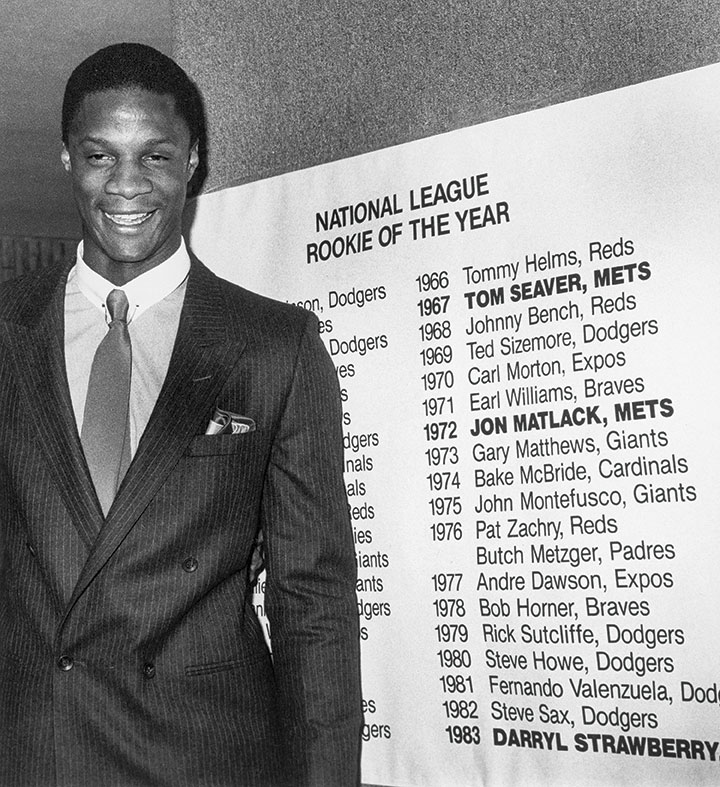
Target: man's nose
[{"x": 128, "y": 180}]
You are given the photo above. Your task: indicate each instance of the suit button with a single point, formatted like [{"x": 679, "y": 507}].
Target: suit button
[
  {"x": 190, "y": 564},
  {"x": 65, "y": 663},
  {"x": 148, "y": 670},
  {"x": 31, "y": 549}
]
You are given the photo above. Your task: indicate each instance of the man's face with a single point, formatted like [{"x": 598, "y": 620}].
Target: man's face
[{"x": 130, "y": 160}]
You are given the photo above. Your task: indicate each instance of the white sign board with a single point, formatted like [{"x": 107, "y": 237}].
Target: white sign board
[{"x": 524, "y": 320}]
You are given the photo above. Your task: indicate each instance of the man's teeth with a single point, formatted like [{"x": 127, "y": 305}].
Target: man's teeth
[{"x": 128, "y": 219}]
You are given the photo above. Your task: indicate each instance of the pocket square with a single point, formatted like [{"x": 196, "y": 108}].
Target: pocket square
[{"x": 225, "y": 422}]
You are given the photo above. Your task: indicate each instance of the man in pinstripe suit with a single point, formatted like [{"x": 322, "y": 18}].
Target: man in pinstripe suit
[{"x": 130, "y": 653}]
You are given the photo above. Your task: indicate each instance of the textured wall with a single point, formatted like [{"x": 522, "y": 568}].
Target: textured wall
[{"x": 297, "y": 83}]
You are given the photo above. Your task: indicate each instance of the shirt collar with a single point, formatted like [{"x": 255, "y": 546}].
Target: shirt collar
[{"x": 143, "y": 291}]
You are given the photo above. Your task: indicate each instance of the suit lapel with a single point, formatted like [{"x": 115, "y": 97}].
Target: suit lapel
[
  {"x": 203, "y": 357},
  {"x": 38, "y": 348}
]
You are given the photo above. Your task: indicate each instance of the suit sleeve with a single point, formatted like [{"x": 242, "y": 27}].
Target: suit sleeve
[{"x": 311, "y": 575}]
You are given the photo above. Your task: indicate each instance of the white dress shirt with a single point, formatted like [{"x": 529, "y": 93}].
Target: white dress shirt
[{"x": 155, "y": 301}]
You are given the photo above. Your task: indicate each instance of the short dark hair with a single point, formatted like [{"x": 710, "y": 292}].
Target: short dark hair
[{"x": 122, "y": 66}]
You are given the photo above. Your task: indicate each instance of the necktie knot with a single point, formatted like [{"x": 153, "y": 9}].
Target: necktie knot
[{"x": 117, "y": 306}]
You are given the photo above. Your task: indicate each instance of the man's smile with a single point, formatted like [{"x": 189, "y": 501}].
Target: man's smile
[{"x": 128, "y": 219}]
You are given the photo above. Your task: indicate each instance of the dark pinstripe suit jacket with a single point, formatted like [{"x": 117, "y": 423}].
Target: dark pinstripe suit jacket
[{"x": 129, "y": 650}]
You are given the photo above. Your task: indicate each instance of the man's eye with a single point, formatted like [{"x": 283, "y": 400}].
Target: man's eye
[
  {"x": 156, "y": 158},
  {"x": 98, "y": 158}
]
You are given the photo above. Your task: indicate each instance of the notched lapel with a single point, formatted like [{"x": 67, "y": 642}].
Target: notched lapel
[
  {"x": 204, "y": 355},
  {"x": 39, "y": 354}
]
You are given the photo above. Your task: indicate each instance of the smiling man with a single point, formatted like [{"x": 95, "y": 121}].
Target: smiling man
[
  {"x": 130, "y": 156},
  {"x": 154, "y": 421}
]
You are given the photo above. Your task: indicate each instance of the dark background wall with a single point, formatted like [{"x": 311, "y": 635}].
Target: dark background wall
[{"x": 293, "y": 84}]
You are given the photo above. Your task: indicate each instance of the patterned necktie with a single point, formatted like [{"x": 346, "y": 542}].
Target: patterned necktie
[{"x": 106, "y": 430}]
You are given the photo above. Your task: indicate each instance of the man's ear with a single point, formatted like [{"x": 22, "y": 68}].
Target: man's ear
[
  {"x": 65, "y": 158},
  {"x": 193, "y": 160}
]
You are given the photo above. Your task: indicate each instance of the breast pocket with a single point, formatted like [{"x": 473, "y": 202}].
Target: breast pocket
[{"x": 215, "y": 444}]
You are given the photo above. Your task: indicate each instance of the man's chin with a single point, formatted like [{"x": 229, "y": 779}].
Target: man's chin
[
  {"x": 126, "y": 257},
  {"x": 130, "y": 253},
  {"x": 120, "y": 265}
]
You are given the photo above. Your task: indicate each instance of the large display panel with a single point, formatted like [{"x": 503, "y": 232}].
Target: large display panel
[{"x": 524, "y": 320}]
